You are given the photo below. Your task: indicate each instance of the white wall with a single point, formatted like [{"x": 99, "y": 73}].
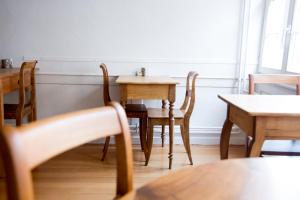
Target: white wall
[{"x": 70, "y": 38}]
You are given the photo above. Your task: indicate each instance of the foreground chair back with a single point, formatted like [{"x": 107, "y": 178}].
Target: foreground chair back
[
  {"x": 26, "y": 147},
  {"x": 27, "y": 97}
]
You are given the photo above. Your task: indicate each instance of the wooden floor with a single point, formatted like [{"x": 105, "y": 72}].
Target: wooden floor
[{"x": 79, "y": 174}]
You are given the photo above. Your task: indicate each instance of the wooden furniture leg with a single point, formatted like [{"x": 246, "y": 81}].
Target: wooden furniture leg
[
  {"x": 105, "y": 149},
  {"x": 2, "y": 173},
  {"x": 163, "y": 126},
  {"x": 143, "y": 135},
  {"x": 258, "y": 139},
  {"x": 149, "y": 142},
  {"x": 225, "y": 137},
  {"x": 171, "y": 132},
  {"x": 1, "y": 108}
]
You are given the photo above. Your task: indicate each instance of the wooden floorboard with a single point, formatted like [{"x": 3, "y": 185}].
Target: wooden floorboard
[{"x": 79, "y": 173}]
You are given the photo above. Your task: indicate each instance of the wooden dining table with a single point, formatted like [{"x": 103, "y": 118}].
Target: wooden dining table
[
  {"x": 9, "y": 82},
  {"x": 254, "y": 178},
  {"x": 151, "y": 87},
  {"x": 262, "y": 117}
]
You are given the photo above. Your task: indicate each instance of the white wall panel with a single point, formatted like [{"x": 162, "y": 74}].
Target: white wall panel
[{"x": 70, "y": 38}]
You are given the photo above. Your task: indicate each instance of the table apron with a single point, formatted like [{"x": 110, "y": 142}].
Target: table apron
[
  {"x": 241, "y": 119},
  {"x": 282, "y": 127},
  {"x": 10, "y": 84},
  {"x": 136, "y": 91}
]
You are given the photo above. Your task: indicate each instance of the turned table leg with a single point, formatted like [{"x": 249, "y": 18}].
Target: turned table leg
[{"x": 171, "y": 132}]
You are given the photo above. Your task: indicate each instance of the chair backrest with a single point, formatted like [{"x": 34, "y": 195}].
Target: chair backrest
[
  {"x": 106, "y": 96},
  {"x": 190, "y": 93},
  {"x": 26, "y": 147},
  {"x": 27, "y": 85},
  {"x": 273, "y": 79}
]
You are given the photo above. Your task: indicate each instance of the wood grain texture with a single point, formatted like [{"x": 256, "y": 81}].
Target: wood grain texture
[
  {"x": 160, "y": 88},
  {"x": 255, "y": 179},
  {"x": 181, "y": 117},
  {"x": 261, "y": 117},
  {"x": 294, "y": 80},
  {"x": 261, "y": 105},
  {"x": 146, "y": 80},
  {"x": 9, "y": 79},
  {"x": 273, "y": 79},
  {"x": 26, "y": 147},
  {"x": 132, "y": 111},
  {"x": 27, "y": 96},
  {"x": 78, "y": 174}
]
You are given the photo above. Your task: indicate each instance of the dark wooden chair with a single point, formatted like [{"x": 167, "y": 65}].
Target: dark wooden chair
[
  {"x": 27, "y": 100},
  {"x": 160, "y": 116},
  {"x": 26, "y": 147},
  {"x": 272, "y": 79},
  {"x": 132, "y": 111}
]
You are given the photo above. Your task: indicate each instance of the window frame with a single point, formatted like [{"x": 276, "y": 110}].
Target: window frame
[{"x": 287, "y": 40}]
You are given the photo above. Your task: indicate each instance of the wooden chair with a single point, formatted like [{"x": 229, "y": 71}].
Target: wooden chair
[
  {"x": 132, "y": 111},
  {"x": 27, "y": 103},
  {"x": 272, "y": 79},
  {"x": 24, "y": 148},
  {"x": 160, "y": 116}
]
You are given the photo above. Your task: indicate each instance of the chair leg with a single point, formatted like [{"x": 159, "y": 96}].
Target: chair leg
[
  {"x": 149, "y": 142},
  {"x": 185, "y": 133},
  {"x": 247, "y": 146},
  {"x": 105, "y": 148},
  {"x": 141, "y": 133},
  {"x": 18, "y": 121},
  {"x": 162, "y": 135},
  {"x": 31, "y": 117}
]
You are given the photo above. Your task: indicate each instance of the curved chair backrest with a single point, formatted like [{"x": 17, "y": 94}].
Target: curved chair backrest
[
  {"x": 273, "y": 79},
  {"x": 190, "y": 93},
  {"x": 28, "y": 146},
  {"x": 27, "y": 83},
  {"x": 106, "y": 96}
]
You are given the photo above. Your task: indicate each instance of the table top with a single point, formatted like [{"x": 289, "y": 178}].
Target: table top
[
  {"x": 255, "y": 178},
  {"x": 9, "y": 72},
  {"x": 146, "y": 80},
  {"x": 265, "y": 105}
]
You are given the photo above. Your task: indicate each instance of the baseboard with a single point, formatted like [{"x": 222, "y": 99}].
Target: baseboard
[{"x": 198, "y": 135}]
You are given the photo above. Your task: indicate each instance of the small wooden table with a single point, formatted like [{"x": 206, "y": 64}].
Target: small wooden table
[
  {"x": 159, "y": 87},
  {"x": 8, "y": 83},
  {"x": 255, "y": 178},
  {"x": 263, "y": 117}
]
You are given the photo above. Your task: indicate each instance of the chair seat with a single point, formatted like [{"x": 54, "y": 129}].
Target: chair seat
[
  {"x": 10, "y": 111},
  {"x": 164, "y": 113},
  {"x": 136, "y": 107}
]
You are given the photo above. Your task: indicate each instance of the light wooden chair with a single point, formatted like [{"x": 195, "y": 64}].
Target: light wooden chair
[
  {"x": 272, "y": 79},
  {"x": 27, "y": 100},
  {"x": 132, "y": 111},
  {"x": 26, "y": 147},
  {"x": 160, "y": 116}
]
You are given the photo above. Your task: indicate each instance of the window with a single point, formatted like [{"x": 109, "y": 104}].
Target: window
[{"x": 280, "y": 47}]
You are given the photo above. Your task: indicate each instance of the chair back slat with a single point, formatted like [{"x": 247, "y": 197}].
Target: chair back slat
[
  {"x": 27, "y": 85},
  {"x": 28, "y": 146},
  {"x": 273, "y": 79},
  {"x": 189, "y": 100},
  {"x": 106, "y": 96}
]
